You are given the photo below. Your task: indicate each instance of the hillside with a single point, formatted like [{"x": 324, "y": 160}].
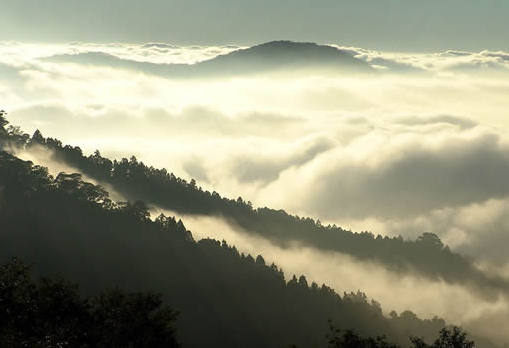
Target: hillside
[
  {"x": 426, "y": 255},
  {"x": 68, "y": 227},
  {"x": 72, "y": 228}
]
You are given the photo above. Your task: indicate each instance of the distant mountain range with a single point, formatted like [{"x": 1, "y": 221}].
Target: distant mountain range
[{"x": 284, "y": 56}]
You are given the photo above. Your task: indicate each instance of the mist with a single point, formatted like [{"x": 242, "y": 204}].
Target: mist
[
  {"x": 427, "y": 299},
  {"x": 41, "y": 156}
]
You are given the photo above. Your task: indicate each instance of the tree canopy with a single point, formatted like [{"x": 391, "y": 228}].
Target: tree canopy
[{"x": 51, "y": 313}]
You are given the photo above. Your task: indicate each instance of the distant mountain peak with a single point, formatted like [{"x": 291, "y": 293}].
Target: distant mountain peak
[
  {"x": 284, "y": 54},
  {"x": 279, "y": 46},
  {"x": 287, "y": 44}
]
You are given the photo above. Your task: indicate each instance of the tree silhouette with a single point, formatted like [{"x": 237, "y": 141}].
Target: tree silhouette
[
  {"x": 3, "y": 120},
  {"x": 448, "y": 338},
  {"x": 3, "y": 131},
  {"x": 51, "y": 313},
  {"x": 349, "y": 339}
]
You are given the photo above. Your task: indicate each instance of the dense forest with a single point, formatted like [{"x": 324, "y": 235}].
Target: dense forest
[
  {"x": 72, "y": 228},
  {"x": 136, "y": 181}
]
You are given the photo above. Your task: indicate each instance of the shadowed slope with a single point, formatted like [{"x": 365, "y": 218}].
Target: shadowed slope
[
  {"x": 70, "y": 227},
  {"x": 427, "y": 255}
]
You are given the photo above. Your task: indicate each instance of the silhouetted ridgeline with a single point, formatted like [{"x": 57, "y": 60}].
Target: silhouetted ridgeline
[{"x": 427, "y": 255}]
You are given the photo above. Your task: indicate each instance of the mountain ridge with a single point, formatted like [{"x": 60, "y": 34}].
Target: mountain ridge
[{"x": 426, "y": 255}]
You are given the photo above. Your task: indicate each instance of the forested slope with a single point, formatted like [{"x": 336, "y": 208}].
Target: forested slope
[
  {"x": 426, "y": 255},
  {"x": 66, "y": 226}
]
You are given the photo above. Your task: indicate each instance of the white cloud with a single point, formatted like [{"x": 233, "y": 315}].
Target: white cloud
[{"x": 446, "y": 61}]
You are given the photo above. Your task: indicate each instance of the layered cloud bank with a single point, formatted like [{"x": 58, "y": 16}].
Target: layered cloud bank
[{"x": 417, "y": 145}]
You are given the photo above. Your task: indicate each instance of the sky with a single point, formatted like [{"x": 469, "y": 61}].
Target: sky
[{"x": 397, "y": 25}]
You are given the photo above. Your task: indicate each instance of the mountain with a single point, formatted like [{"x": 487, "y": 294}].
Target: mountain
[
  {"x": 287, "y": 56},
  {"x": 69, "y": 227},
  {"x": 282, "y": 56}
]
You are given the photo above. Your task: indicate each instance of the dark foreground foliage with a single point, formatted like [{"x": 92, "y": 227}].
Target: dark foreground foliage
[
  {"x": 349, "y": 339},
  {"x": 452, "y": 337},
  {"x": 51, "y": 313}
]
